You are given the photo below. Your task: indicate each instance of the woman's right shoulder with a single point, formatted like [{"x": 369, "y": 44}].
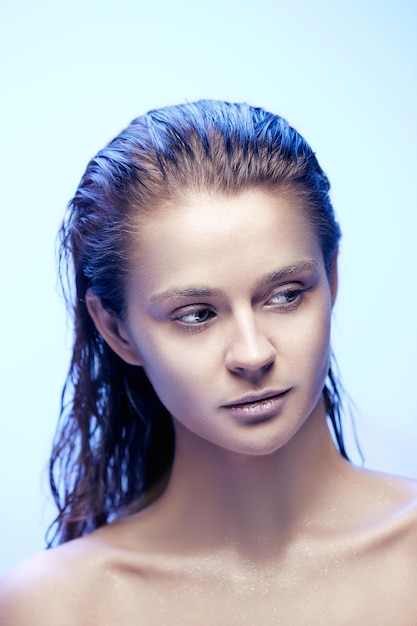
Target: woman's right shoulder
[
  {"x": 32, "y": 592},
  {"x": 50, "y": 587}
]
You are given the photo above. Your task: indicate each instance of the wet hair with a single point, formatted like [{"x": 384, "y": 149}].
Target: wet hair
[{"x": 115, "y": 440}]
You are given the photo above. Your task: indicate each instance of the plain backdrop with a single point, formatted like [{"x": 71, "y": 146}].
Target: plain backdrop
[{"x": 74, "y": 73}]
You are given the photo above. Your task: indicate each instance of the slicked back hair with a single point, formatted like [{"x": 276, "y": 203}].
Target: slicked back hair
[{"x": 115, "y": 440}]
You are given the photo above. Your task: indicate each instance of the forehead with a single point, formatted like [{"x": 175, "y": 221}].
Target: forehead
[{"x": 209, "y": 237}]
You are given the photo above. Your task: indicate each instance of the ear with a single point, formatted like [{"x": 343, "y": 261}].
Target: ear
[
  {"x": 334, "y": 276},
  {"x": 112, "y": 330}
]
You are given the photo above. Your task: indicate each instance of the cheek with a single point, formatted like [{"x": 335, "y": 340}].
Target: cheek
[
  {"x": 176, "y": 378},
  {"x": 319, "y": 349},
  {"x": 311, "y": 342}
]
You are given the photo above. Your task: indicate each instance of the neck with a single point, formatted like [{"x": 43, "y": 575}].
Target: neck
[{"x": 253, "y": 502}]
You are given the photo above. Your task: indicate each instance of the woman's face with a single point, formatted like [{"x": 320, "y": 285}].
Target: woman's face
[{"x": 229, "y": 310}]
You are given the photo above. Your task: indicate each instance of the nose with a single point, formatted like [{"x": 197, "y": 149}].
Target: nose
[{"x": 250, "y": 352}]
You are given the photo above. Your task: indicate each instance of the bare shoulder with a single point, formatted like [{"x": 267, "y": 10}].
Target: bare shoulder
[
  {"x": 387, "y": 505},
  {"x": 403, "y": 516},
  {"x": 53, "y": 587},
  {"x": 392, "y": 548},
  {"x": 24, "y": 590},
  {"x": 400, "y": 495},
  {"x": 386, "y": 537}
]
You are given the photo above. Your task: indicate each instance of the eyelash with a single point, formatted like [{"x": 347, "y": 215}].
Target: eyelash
[
  {"x": 295, "y": 297},
  {"x": 194, "y": 311},
  {"x": 294, "y": 294}
]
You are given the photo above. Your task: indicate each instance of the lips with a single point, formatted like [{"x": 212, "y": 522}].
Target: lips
[
  {"x": 257, "y": 408},
  {"x": 255, "y": 398}
]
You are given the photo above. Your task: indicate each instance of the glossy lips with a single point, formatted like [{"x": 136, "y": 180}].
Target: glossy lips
[{"x": 256, "y": 408}]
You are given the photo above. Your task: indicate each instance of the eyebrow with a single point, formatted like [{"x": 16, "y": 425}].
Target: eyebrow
[
  {"x": 205, "y": 292},
  {"x": 187, "y": 292},
  {"x": 284, "y": 272}
]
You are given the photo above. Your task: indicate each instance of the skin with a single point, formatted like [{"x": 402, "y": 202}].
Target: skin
[{"x": 262, "y": 521}]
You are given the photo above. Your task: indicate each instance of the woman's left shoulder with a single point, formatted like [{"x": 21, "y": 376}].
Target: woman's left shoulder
[
  {"x": 406, "y": 510},
  {"x": 383, "y": 550},
  {"x": 395, "y": 500},
  {"x": 399, "y": 490}
]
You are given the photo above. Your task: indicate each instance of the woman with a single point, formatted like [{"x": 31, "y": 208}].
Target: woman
[{"x": 196, "y": 478}]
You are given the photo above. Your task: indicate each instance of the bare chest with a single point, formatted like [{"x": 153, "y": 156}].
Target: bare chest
[{"x": 343, "y": 593}]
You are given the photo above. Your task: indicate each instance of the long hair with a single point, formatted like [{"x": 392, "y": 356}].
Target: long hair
[{"x": 115, "y": 439}]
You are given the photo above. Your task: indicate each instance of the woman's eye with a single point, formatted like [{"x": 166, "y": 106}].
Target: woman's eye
[
  {"x": 194, "y": 317},
  {"x": 287, "y": 297}
]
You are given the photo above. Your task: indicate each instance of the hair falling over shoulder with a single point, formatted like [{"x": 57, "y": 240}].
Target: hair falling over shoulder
[{"x": 115, "y": 440}]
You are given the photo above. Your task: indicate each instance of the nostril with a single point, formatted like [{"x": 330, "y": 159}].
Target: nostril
[
  {"x": 256, "y": 361},
  {"x": 268, "y": 366}
]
